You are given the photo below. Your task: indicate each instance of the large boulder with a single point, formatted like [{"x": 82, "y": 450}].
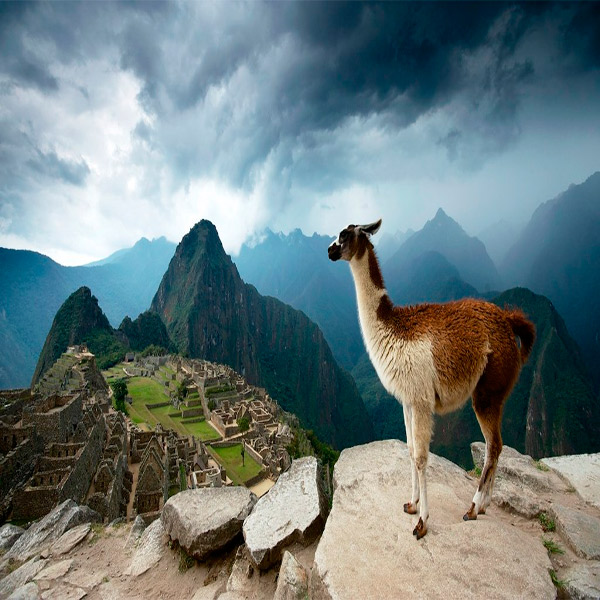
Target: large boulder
[
  {"x": 294, "y": 509},
  {"x": 367, "y": 549},
  {"x": 207, "y": 519},
  {"x": 47, "y": 530},
  {"x": 292, "y": 583}
]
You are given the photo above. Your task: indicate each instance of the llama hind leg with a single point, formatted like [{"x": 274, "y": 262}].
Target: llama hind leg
[
  {"x": 421, "y": 428},
  {"x": 411, "y": 507},
  {"x": 489, "y": 414}
]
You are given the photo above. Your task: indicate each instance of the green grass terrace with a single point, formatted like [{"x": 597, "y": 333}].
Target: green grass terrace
[{"x": 231, "y": 458}]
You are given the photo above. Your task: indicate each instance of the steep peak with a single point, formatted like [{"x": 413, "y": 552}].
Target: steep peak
[{"x": 441, "y": 219}]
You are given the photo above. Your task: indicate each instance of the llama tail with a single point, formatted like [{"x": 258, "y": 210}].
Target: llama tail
[{"x": 524, "y": 329}]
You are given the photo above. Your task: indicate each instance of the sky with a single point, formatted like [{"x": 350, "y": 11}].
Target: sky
[{"x": 123, "y": 120}]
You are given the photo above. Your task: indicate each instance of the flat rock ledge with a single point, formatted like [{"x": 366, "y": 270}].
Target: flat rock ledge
[
  {"x": 205, "y": 520},
  {"x": 293, "y": 510},
  {"x": 579, "y": 530},
  {"x": 582, "y": 471},
  {"x": 367, "y": 549}
]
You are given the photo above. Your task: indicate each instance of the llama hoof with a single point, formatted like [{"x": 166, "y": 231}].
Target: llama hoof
[
  {"x": 410, "y": 508},
  {"x": 481, "y": 511},
  {"x": 470, "y": 515},
  {"x": 420, "y": 530}
]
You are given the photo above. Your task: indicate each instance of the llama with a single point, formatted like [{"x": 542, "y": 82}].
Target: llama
[{"x": 432, "y": 358}]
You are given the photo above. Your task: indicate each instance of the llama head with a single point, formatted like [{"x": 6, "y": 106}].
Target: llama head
[{"x": 352, "y": 241}]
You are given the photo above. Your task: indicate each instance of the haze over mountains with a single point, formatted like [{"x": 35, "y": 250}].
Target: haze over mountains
[{"x": 209, "y": 311}]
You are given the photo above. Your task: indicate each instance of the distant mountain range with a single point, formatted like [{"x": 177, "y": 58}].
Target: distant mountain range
[
  {"x": 209, "y": 311},
  {"x": 33, "y": 287}
]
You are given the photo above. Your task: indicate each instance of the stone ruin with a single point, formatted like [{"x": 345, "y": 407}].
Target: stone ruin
[{"x": 58, "y": 439}]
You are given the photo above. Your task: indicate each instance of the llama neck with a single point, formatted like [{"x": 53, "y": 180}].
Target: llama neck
[{"x": 370, "y": 289}]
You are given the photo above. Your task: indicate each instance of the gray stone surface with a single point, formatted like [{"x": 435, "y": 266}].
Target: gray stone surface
[
  {"x": 583, "y": 581},
  {"x": 64, "y": 592},
  {"x": 292, "y": 583},
  {"x": 9, "y": 534},
  {"x": 29, "y": 591},
  {"x": 367, "y": 549},
  {"x": 48, "y": 529},
  {"x": 582, "y": 471},
  {"x": 19, "y": 577},
  {"x": 294, "y": 509},
  {"x": 516, "y": 498},
  {"x": 137, "y": 529},
  {"x": 579, "y": 530},
  {"x": 68, "y": 540},
  {"x": 518, "y": 468},
  {"x": 55, "y": 570},
  {"x": 150, "y": 549},
  {"x": 204, "y": 520}
]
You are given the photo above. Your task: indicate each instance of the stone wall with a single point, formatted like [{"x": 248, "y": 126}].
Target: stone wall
[{"x": 79, "y": 480}]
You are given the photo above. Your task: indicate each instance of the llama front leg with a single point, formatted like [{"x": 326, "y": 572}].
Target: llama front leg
[
  {"x": 411, "y": 507},
  {"x": 421, "y": 429}
]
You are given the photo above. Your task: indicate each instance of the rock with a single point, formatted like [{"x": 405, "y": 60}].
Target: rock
[
  {"x": 518, "y": 468},
  {"x": 29, "y": 591},
  {"x": 150, "y": 549},
  {"x": 137, "y": 529},
  {"x": 56, "y": 570},
  {"x": 579, "y": 530},
  {"x": 516, "y": 499},
  {"x": 9, "y": 534},
  {"x": 294, "y": 509},
  {"x": 292, "y": 583},
  {"x": 19, "y": 577},
  {"x": 243, "y": 577},
  {"x": 583, "y": 581},
  {"x": 68, "y": 540},
  {"x": 367, "y": 549},
  {"x": 64, "y": 592},
  {"x": 206, "y": 519},
  {"x": 48, "y": 529},
  {"x": 582, "y": 471}
]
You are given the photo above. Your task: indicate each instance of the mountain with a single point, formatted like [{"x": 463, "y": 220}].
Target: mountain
[
  {"x": 210, "y": 312},
  {"x": 558, "y": 255},
  {"x": 498, "y": 238},
  {"x": 295, "y": 269},
  {"x": 33, "y": 287},
  {"x": 80, "y": 320},
  {"x": 445, "y": 236}
]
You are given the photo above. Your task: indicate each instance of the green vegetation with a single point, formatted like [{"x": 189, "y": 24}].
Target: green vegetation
[
  {"x": 547, "y": 522},
  {"x": 231, "y": 458},
  {"x": 182, "y": 477},
  {"x": 558, "y": 583},
  {"x": 185, "y": 561},
  {"x": 154, "y": 350},
  {"x": 243, "y": 424},
  {"x": 119, "y": 388},
  {"x": 306, "y": 443},
  {"x": 218, "y": 389},
  {"x": 552, "y": 546},
  {"x": 541, "y": 466}
]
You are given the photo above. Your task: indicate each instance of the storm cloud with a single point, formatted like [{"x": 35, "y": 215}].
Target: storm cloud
[{"x": 146, "y": 117}]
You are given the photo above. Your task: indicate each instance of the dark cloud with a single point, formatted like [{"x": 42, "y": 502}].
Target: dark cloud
[{"x": 51, "y": 165}]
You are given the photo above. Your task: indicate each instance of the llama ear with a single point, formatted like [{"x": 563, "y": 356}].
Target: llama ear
[{"x": 371, "y": 229}]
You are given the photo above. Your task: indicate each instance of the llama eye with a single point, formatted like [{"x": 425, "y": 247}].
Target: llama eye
[{"x": 343, "y": 236}]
